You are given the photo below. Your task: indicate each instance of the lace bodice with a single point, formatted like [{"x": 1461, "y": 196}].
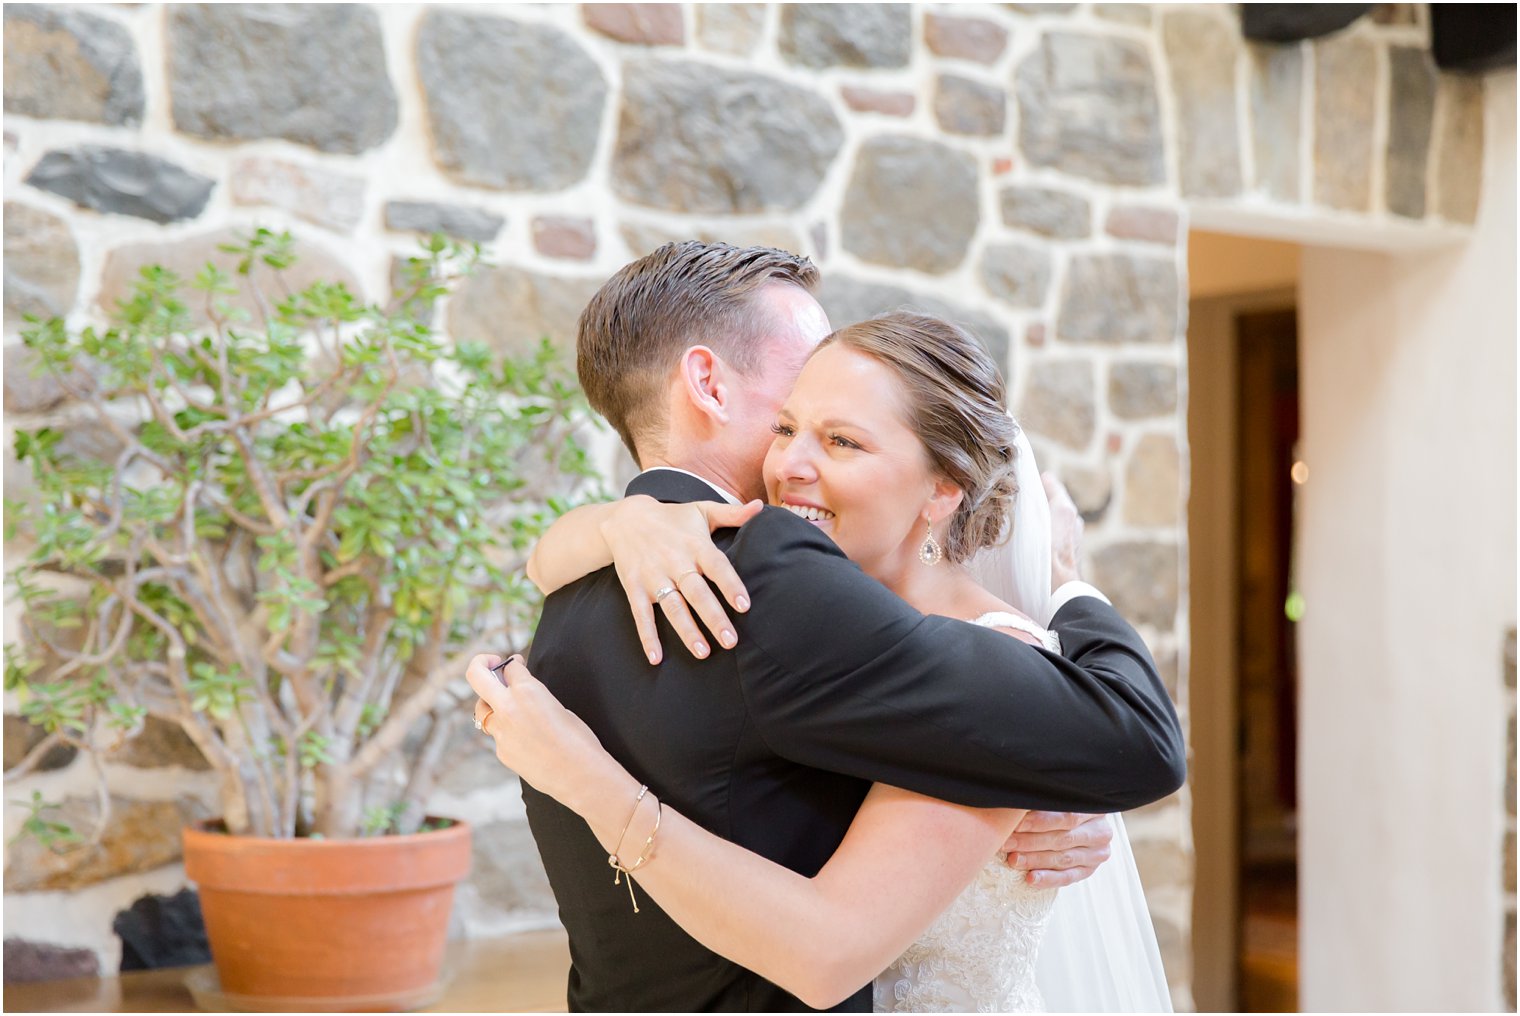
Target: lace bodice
[{"x": 979, "y": 955}]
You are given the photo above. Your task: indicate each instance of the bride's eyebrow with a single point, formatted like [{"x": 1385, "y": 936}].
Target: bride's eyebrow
[{"x": 835, "y": 421}]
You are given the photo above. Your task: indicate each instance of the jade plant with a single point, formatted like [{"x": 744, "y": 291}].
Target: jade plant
[{"x": 297, "y": 516}]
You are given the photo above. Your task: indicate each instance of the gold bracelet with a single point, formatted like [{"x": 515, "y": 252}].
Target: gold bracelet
[
  {"x": 643, "y": 789},
  {"x": 644, "y": 853}
]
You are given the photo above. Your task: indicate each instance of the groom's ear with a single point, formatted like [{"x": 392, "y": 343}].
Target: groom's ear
[{"x": 704, "y": 380}]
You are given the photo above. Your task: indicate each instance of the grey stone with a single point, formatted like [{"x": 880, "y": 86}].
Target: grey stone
[
  {"x": 161, "y": 743},
  {"x": 846, "y": 35},
  {"x": 1166, "y": 667},
  {"x": 27, "y": 962},
  {"x": 1509, "y": 775},
  {"x": 1136, "y": 222},
  {"x": 124, "y": 182},
  {"x": 875, "y": 100},
  {"x": 1509, "y": 959},
  {"x": 1138, "y": 391},
  {"x": 1200, "y": 52},
  {"x": 1088, "y": 106},
  {"x": 67, "y": 64},
  {"x": 1117, "y": 298},
  {"x": 29, "y": 389},
  {"x": 474, "y": 224},
  {"x": 41, "y": 265},
  {"x": 314, "y": 74},
  {"x": 730, "y": 28},
  {"x": 1163, "y": 862},
  {"x": 510, "y": 105},
  {"x": 1175, "y": 946},
  {"x": 910, "y": 203},
  {"x": 188, "y": 255},
  {"x": 1091, "y": 489},
  {"x": 1277, "y": 86},
  {"x": 506, "y": 870},
  {"x": 965, "y": 38},
  {"x": 332, "y": 200},
  {"x": 561, "y": 236},
  {"x": 1141, "y": 578},
  {"x": 965, "y": 106},
  {"x": 511, "y": 309},
  {"x": 642, "y": 238},
  {"x": 21, "y": 737},
  {"x": 1057, "y": 214},
  {"x": 1060, "y": 402},
  {"x": 1460, "y": 147},
  {"x": 1345, "y": 89},
  {"x": 1412, "y": 107},
  {"x": 641, "y": 24},
  {"x": 1152, "y": 489},
  {"x": 1395, "y": 14},
  {"x": 847, "y": 300},
  {"x": 704, "y": 139},
  {"x": 1509, "y": 861},
  {"x": 1509, "y": 658},
  {"x": 1138, "y": 15},
  {"x": 1017, "y": 274},
  {"x": 139, "y": 836}
]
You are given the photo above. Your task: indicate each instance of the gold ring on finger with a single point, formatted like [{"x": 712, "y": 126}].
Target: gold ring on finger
[{"x": 694, "y": 571}]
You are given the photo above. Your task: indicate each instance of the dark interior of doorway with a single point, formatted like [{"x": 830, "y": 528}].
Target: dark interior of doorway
[{"x": 1269, "y": 471}]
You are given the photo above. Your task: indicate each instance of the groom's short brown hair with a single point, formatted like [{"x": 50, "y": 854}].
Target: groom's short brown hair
[{"x": 637, "y": 325}]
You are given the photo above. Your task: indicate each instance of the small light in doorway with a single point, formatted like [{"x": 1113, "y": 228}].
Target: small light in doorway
[
  {"x": 1294, "y": 608},
  {"x": 1300, "y": 472}
]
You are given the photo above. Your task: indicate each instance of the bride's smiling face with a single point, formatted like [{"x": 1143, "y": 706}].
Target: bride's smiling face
[{"x": 845, "y": 458}]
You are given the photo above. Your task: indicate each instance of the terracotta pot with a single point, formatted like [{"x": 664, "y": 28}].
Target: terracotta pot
[{"x": 339, "y": 924}]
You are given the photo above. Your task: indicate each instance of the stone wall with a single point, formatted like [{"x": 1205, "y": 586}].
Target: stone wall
[{"x": 1028, "y": 169}]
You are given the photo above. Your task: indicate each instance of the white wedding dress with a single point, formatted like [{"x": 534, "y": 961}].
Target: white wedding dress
[{"x": 980, "y": 954}]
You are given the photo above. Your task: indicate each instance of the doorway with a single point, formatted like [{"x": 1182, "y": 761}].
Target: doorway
[{"x": 1243, "y": 431}]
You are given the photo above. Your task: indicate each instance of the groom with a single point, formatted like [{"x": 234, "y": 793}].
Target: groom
[{"x": 834, "y": 684}]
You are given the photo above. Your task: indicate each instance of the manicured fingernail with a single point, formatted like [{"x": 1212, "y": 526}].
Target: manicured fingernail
[
  {"x": 743, "y": 603},
  {"x": 654, "y": 656},
  {"x": 1019, "y": 861},
  {"x": 727, "y": 638},
  {"x": 700, "y": 648}
]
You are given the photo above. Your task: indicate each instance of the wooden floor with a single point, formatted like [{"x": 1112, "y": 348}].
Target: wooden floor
[
  {"x": 521, "y": 973},
  {"x": 1269, "y": 939}
]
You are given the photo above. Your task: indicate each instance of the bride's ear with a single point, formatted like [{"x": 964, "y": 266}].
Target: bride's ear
[
  {"x": 704, "y": 382},
  {"x": 944, "y": 499}
]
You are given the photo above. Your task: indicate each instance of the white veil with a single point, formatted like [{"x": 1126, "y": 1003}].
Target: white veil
[{"x": 1099, "y": 952}]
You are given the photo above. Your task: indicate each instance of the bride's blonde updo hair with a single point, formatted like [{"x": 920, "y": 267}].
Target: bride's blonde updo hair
[{"x": 955, "y": 403}]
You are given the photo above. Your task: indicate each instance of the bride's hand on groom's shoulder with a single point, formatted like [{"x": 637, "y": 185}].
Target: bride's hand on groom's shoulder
[
  {"x": 1059, "y": 848},
  {"x": 664, "y": 554}
]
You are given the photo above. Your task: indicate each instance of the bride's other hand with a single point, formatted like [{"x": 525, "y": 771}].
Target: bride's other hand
[
  {"x": 1065, "y": 533},
  {"x": 668, "y": 548},
  {"x": 536, "y": 737},
  {"x": 1059, "y": 848}
]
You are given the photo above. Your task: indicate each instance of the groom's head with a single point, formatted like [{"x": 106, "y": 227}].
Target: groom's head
[{"x": 689, "y": 351}]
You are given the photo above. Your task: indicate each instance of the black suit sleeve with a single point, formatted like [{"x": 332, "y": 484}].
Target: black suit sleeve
[{"x": 840, "y": 674}]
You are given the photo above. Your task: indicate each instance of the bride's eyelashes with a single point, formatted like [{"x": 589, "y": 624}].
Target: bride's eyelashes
[{"x": 839, "y": 440}]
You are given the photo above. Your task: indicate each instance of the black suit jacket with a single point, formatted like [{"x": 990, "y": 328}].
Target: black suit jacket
[{"x": 835, "y": 683}]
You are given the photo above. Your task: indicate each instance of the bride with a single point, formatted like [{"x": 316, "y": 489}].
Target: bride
[{"x": 895, "y": 444}]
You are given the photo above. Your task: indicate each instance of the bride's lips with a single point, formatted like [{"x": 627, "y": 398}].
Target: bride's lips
[{"x": 816, "y": 514}]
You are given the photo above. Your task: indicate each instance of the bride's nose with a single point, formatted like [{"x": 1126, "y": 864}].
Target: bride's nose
[{"x": 797, "y": 462}]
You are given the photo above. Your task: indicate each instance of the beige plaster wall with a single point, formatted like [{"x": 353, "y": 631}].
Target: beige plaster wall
[{"x": 1407, "y": 564}]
